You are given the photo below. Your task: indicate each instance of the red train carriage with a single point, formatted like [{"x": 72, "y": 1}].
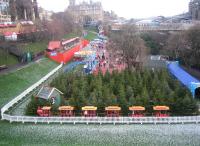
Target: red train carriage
[
  {"x": 113, "y": 111},
  {"x": 137, "y": 111},
  {"x": 66, "y": 111},
  {"x": 89, "y": 111},
  {"x": 161, "y": 111},
  {"x": 44, "y": 111}
]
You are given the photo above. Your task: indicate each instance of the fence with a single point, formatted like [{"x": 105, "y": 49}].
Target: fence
[
  {"x": 30, "y": 89},
  {"x": 103, "y": 120},
  {"x": 165, "y": 27}
]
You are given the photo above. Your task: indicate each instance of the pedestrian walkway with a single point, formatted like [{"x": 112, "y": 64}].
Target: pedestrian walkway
[{"x": 19, "y": 66}]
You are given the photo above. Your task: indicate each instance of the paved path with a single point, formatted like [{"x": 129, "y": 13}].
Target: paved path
[
  {"x": 71, "y": 66},
  {"x": 19, "y": 66},
  {"x": 108, "y": 62}
]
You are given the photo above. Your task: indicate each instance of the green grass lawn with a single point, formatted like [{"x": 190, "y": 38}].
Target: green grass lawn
[
  {"x": 96, "y": 135},
  {"x": 35, "y": 47},
  {"x": 41, "y": 46},
  {"x": 92, "y": 28},
  {"x": 7, "y": 59},
  {"x": 14, "y": 83},
  {"x": 91, "y": 36},
  {"x": 70, "y": 35}
]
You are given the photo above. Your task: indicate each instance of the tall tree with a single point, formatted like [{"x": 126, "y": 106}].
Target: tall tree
[
  {"x": 194, "y": 44},
  {"x": 185, "y": 45},
  {"x": 61, "y": 24},
  {"x": 131, "y": 46}
]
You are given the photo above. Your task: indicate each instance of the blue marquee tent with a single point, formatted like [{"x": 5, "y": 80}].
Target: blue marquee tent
[{"x": 185, "y": 78}]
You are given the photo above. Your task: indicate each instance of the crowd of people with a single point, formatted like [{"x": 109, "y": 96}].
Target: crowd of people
[{"x": 108, "y": 60}]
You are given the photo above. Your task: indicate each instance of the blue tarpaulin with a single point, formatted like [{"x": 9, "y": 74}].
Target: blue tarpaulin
[
  {"x": 185, "y": 78},
  {"x": 72, "y": 65},
  {"x": 90, "y": 62}
]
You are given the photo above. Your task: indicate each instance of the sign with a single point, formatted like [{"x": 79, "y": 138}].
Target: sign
[
  {"x": 53, "y": 101},
  {"x": 53, "y": 53}
]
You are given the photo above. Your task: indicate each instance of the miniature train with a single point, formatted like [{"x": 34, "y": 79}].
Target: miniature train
[{"x": 110, "y": 111}]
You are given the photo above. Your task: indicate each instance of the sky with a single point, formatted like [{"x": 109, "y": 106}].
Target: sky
[{"x": 128, "y": 8}]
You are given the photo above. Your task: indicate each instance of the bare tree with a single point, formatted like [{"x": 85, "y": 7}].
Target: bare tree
[
  {"x": 130, "y": 45},
  {"x": 177, "y": 44},
  {"x": 61, "y": 24},
  {"x": 193, "y": 39},
  {"x": 186, "y": 46}
]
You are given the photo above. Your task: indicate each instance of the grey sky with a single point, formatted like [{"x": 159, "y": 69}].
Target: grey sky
[{"x": 129, "y": 8}]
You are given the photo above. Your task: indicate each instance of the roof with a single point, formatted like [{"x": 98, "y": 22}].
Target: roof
[
  {"x": 161, "y": 108},
  {"x": 147, "y": 21},
  {"x": 45, "y": 92},
  {"x": 184, "y": 77},
  {"x": 54, "y": 45},
  {"x": 66, "y": 108},
  {"x": 9, "y": 33},
  {"x": 27, "y": 22},
  {"x": 68, "y": 41},
  {"x": 137, "y": 108},
  {"x": 89, "y": 108},
  {"x": 113, "y": 108},
  {"x": 84, "y": 53},
  {"x": 7, "y": 25},
  {"x": 46, "y": 108}
]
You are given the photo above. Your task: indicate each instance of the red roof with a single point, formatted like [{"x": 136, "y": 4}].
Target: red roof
[
  {"x": 9, "y": 33},
  {"x": 7, "y": 25},
  {"x": 54, "y": 45}
]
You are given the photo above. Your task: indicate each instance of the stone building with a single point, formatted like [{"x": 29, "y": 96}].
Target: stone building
[
  {"x": 84, "y": 12},
  {"x": 45, "y": 14},
  {"x": 194, "y": 9},
  {"x": 4, "y": 11},
  {"x": 23, "y": 10}
]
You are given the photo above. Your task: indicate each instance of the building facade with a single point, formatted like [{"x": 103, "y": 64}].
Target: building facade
[
  {"x": 4, "y": 11},
  {"x": 23, "y": 10},
  {"x": 84, "y": 12},
  {"x": 45, "y": 14},
  {"x": 194, "y": 9}
]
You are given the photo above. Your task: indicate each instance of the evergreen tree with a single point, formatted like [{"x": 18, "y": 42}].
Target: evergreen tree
[
  {"x": 129, "y": 92},
  {"x": 140, "y": 88},
  {"x": 145, "y": 97},
  {"x": 122, "y": 100}
]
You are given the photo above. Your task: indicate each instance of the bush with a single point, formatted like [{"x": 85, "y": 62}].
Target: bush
[{"x": 31, "y": 109}]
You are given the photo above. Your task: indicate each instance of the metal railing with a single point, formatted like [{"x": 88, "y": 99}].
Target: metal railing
[
  {"x": 103, "y": 120},
  {"x": 27, "y": 91},
  {"x": 165, "y": 27}
]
